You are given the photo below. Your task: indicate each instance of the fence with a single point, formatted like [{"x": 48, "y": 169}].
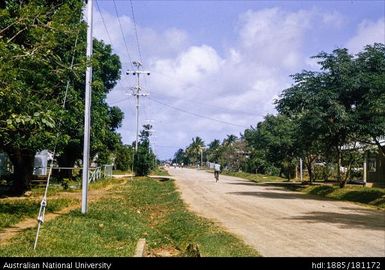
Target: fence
[
  {"x": 104, "y": 171},
  {"x": 95, "y": 173}
]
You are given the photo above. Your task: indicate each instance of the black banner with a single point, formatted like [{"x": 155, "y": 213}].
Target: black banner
[{"x": 113, "y": 263}]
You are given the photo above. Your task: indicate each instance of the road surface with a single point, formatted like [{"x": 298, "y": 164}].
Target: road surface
[{"x": 280, "y": 223}]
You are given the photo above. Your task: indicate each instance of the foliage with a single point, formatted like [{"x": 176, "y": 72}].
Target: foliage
[
  {"x": 144, "y": 158},
  {"x": 37, "y": 44},
  {"x": 124, "y": 156},
  {"x": 194, "y": 150},
  {"x": 276, "y": 136}
]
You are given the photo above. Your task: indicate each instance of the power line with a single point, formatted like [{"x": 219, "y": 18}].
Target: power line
[
  {"x": 136, "y": 32},
  {"x": 121, "y": 30},
  {"x": 104, "y": 23},
  {"x": 195, "y": 114}
]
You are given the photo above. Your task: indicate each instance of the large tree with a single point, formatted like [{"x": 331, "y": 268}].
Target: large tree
[
  {"x": 37, "y": 41},
  {"x": 340, "y": 105},
  {"x": 369, "y": 106}
]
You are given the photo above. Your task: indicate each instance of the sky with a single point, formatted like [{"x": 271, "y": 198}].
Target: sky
[{"x": 218, "y": 66}]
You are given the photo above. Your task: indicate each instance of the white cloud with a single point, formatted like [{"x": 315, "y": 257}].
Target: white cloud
[
  {"x": 333, "y": 19},
  {"x": 274, "y": 36},
  {"x": 238, "y": 87},
  {"x": 368, "y": 32}
]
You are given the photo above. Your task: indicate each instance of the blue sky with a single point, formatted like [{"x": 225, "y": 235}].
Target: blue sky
[{"x": 223, "y": 60}]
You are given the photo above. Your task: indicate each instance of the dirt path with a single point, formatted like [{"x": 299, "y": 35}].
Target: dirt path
[
  {"x": 277, "y": 222},
  {"x": 93, "y": 195}
]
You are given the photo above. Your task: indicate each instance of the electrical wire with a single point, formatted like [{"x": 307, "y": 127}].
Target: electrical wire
[
  {"x": 136, "y": 32},
  {"x": 121, "y": 30},
  {"x": 195, "y": 114}
]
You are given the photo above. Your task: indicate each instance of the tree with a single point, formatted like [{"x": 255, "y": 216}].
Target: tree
[
  {"x": 104, "y": 119},
  {"x": 35, "y": 53},
  {"x": 194, "y": 149},
  {"x": 36, "y": 49},
  {"x": 339, "y": 106},
  {"x": 124, "y": 157},
  {"x": 144, "y": 158},
  {"x": 274, "y": 138},
  {"x": 180, "y": 157},
  {"x": 213, "y": 152},
  {"x": 369, "y": 106}
]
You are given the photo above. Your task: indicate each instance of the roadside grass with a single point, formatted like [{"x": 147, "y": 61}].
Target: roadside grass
[
  {"x": 15, "y": 209},
  {"x": 371, "y": 196},
  {"x": 159, "y": 171},
  {"x": 258, "y": 178},
  {"x": 365, "y": 195},
  {"x": 120, "y": 172},
  {"x": 143, "y": 208}
]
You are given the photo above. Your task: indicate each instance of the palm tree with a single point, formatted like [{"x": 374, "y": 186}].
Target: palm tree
[
  {"x": 230, "y": 139},
  {"x": 194, "y": 149}
]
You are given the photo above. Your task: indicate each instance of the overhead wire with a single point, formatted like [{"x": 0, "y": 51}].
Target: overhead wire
[
  {"x": 195, "y": 114},
  {"x": 121, "y": 31}
]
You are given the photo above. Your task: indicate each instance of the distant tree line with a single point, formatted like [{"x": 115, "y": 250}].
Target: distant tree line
[{"x": 331, "y": 115}]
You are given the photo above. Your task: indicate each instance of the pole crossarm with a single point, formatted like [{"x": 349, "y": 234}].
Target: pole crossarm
[{"x": 137, "y": 93}]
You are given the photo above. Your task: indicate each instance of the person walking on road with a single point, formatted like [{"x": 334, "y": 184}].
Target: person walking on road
[{"x": 217, "y": 169}]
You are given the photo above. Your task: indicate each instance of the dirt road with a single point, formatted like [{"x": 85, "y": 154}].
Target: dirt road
[{"x": 277, "y": 222}]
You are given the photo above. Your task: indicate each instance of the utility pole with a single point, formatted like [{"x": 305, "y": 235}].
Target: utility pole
[
  {"x": 137, "y": 93},
  {"x": 87, "y": 112}
]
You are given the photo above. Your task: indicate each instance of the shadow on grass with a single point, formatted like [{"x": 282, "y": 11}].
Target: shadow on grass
[{"x": 21, "y": 208}]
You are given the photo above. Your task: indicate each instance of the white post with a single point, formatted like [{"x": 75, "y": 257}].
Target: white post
[
  {"x": 87, "y": 113},
  {"x": 300, "y": 169},
  {"x": 365, "y": 168}
]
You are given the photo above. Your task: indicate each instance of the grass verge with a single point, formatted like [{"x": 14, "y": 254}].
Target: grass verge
[
  {"x": 141, "y": 208},
  {"x": 258, "y": 178},
  {"x": 15, "y": 209},
  {"x": 119, "y": 172},
  {"x": 371, "y": 196},
  {"x": 160, "y": 171},
  {"x": 365, "y": 195}
]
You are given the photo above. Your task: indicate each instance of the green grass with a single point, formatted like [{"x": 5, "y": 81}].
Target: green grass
[
  {"x": 119, "y": 172},
  {"x": 141, "y": 208},
  {"x": 258, "y": 178},
  {"x": 159, "y": 171},
  {"x": 365, "y": 195},
  {"x": 14, "y": 211}
]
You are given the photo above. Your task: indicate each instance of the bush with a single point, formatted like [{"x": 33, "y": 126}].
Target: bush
[
  {"x": 143, "y": 160},
  {"x": 123, "y": 159}
]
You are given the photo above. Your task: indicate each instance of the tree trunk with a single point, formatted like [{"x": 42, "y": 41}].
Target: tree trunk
[
  {"x": 339, "y": 163},
  {"x": 22, "y": 161},
  {"x": 309, "y": 162},
  {"x": 67, "y": 159},
  {"x": 381, "y": 148}
]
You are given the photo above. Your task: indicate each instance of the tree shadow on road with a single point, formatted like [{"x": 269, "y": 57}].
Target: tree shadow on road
[
  {"x": 360, "y": 219},
  {"x": 279, "y": 195},
  {"x": 351, "y": 217}
]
